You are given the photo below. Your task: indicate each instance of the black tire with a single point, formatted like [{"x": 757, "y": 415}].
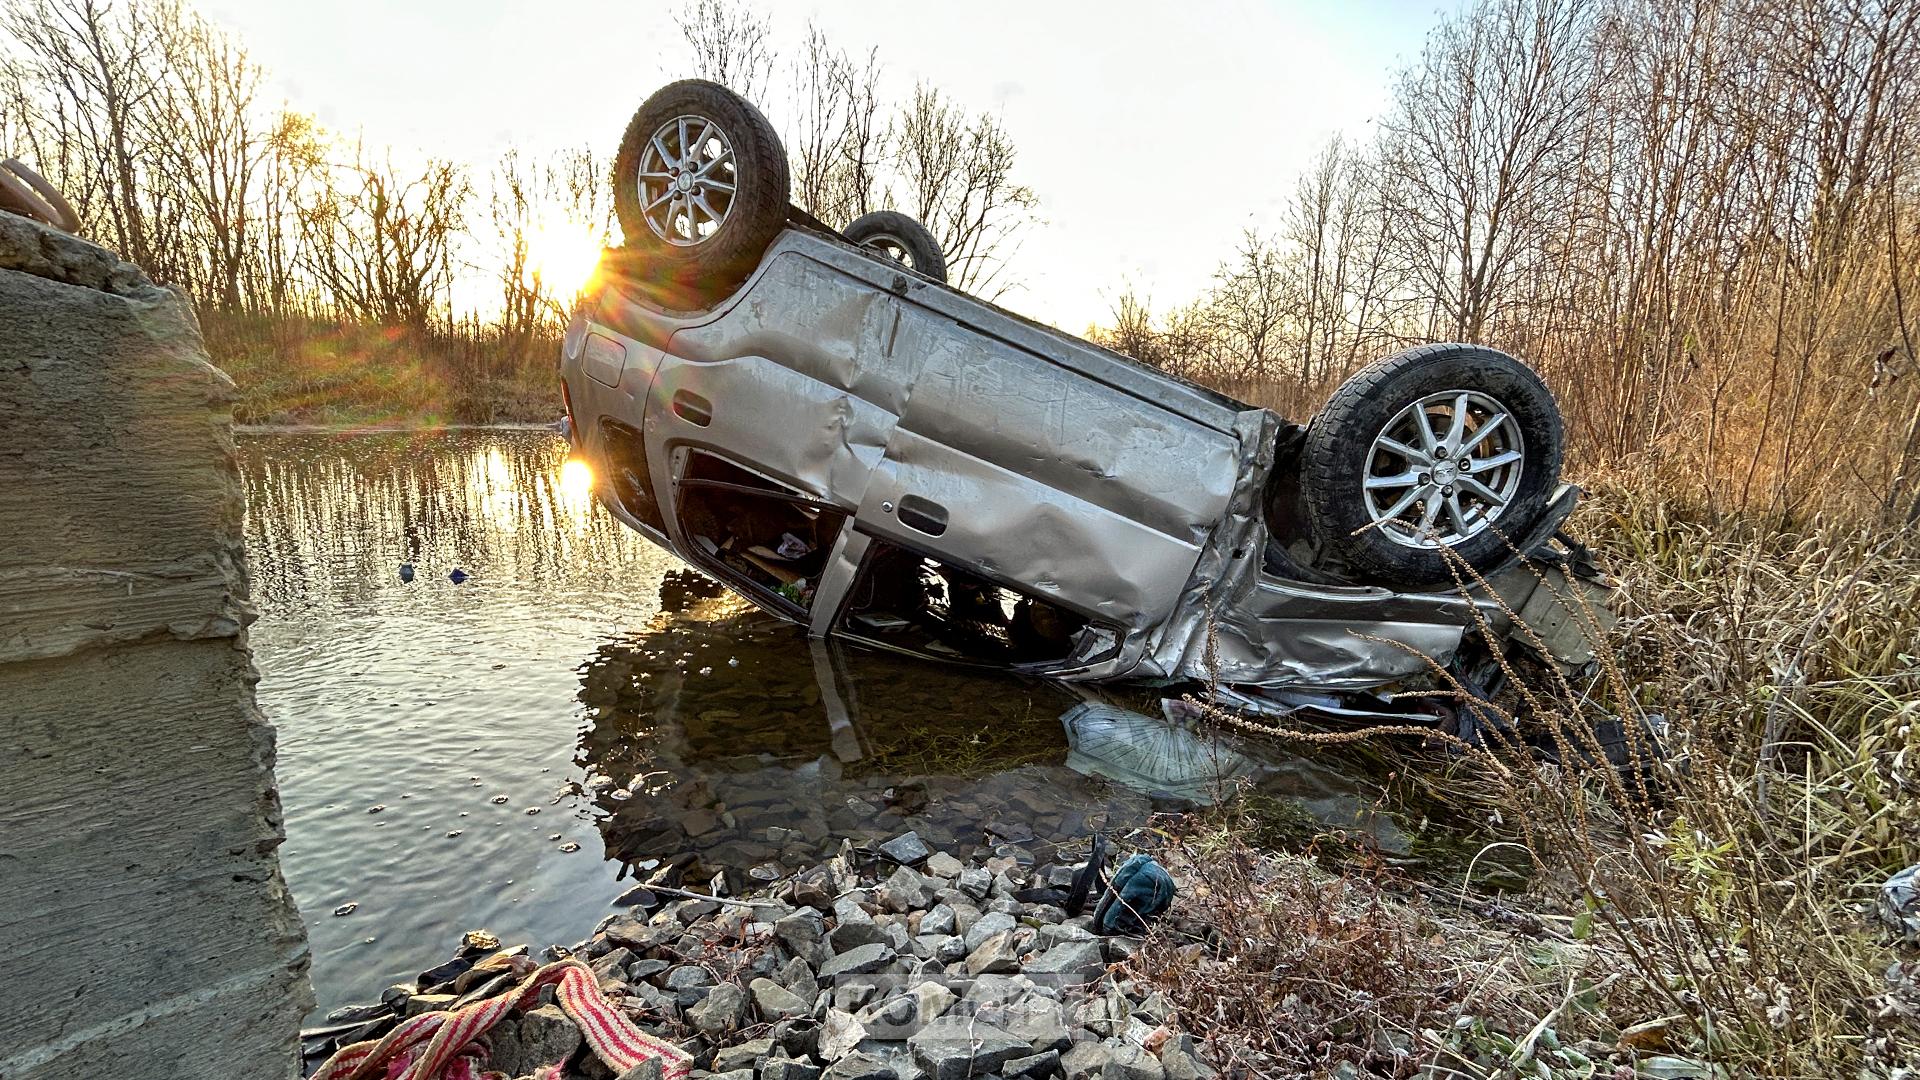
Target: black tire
[
  {"x": 902, "y": 239},
  {"x": 699, "y": 267},
  {"x": 1339, "y": 454}
]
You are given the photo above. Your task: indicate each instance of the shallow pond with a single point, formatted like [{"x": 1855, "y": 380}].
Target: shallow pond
[{"x": 513, "y": 749}]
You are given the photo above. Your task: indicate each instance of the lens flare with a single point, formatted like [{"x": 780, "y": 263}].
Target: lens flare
[
  {"x": 576, "y": 480},
  {"x": 561, "y": 259}
]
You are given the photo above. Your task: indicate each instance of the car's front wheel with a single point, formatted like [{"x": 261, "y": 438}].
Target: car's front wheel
[
  {"x": 700, "y": 187},
  {"x": 1437, "y": 453}
]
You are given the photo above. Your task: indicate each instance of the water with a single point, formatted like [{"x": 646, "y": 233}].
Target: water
[{"x": 512, "y": 751}]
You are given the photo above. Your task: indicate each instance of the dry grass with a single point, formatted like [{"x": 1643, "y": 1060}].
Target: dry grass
[
  {"x": 303, "y": 370},
  {"x": 1726, "y": 900}
]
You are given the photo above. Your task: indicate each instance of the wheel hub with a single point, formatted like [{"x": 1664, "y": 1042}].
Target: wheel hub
[
  {"x": 688, "y": 178},
  {"x": 1443, "y": 469}
]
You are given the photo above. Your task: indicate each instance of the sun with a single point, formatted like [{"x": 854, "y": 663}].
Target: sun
[{"x": 563, "y": 259}]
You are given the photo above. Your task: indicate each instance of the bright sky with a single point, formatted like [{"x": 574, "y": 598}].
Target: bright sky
[{"x": 1151, "y": 132}]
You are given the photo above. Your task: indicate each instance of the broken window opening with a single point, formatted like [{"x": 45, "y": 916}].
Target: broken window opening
[
  {"x": 916, "y": 603},
  {"x": 758, "y": 531}
]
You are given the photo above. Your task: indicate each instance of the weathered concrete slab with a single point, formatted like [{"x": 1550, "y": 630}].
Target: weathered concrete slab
[{"x": 145, "y": 930}]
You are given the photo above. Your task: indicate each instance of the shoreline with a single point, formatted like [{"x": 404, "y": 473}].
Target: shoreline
[{"x": 387, "y": 429}]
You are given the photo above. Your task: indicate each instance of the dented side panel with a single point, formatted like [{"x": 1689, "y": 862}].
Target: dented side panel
[{"x": 945, "y": 425}]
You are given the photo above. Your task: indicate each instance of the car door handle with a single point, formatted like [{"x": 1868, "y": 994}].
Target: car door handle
[
  {"x": 923, "y": 514},
  {"x": 692, "y": 408}
]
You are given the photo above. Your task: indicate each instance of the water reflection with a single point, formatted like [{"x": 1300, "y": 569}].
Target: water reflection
[
  {"x": 726, "y": 735},
  {"x": 455, "y": 755}
]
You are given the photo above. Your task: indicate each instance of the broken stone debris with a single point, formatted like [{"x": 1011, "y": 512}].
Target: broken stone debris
[{"x": 841, "y": 988}]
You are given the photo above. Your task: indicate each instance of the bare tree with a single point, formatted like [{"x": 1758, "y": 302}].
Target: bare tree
[
  {"x": 731, "y": 46},
  {"x": 379, "y": 240},
  {"x": 837, "y": 146},
  {"x": 86, "y": 71},
  {"x": 957, "y": 172},
  {"x": 1478, "y": 138}
]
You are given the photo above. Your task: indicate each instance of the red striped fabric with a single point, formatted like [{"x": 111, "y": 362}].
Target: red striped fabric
[{"x": 441, "y": 1046}]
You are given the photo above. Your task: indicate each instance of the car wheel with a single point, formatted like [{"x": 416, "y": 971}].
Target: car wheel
[
  {"x": 1442, "y": 448},
  {"x": 700, "y": 187},
  {"x": 901, "y": 239}
]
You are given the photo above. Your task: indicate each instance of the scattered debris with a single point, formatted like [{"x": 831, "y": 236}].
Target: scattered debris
[{"x": 1900, "y": 904}]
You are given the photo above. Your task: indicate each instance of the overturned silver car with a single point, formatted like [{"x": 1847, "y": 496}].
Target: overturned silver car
[{"x": 817, "y": 420}]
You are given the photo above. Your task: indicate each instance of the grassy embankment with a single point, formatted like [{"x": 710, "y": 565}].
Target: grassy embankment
[
  {"x": 300, "y": 370},
  {"x": 1720, "y": 913}
]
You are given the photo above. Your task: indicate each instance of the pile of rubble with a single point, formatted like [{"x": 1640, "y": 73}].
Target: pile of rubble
[{"x": 895, "y": 964}]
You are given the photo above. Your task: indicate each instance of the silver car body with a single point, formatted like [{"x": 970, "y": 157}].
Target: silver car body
[{"x": 942, "y": 425}]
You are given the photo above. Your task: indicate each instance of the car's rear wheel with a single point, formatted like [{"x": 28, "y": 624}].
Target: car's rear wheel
[
  {"x": 901, "y": 239},
  {"x": 1432, "y": 455},
  {"x": 700, "y": 187}
]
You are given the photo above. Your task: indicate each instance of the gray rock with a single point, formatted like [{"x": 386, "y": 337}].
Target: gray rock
[
  {"x": 975, "y": 882},
  {"x": 1086, "y": 1060},
  {"x": 613, "y": 964},
  {"x": 1132, "y": 1063},
  {"x": 941, "y": 864},
  {"x": 789, "y": 1069},
  {"x": 641, "y": 970},
  {"x": 797, "y": 976},
  {"x": 851, "y": 994},
  {"x": 746, "y": 1055},
  {"x": 897, "y": 938},
  {"x": 987, "y": 926},
  {"x": 840, "y": 1034},
  {"x": 907, "y": 848},
  {"x": 1036, "y": 1067},
  {"x": 853, "y": 932},
  {"x": 994, "y": 956},
  {"x": 426, "y": 1003},
  {"x": 959, "y": 1047},
  {"x": 689, "y": 977},
  {"x": 932, "y": 1000},
  {"x": 1067, "y": 958},
  {"x": 804, "y": 934},
  {"x": 1054, "y": 934},
  {"x": 1155, "y": 1008},
  {"x": 946, "y": 950},
  {"x": 724, "y": 1009},
  {"x": 650, "y": 1069},
  {"x": 890, "y": 1019},
  {"x": 657, "y": 1001},
  {"x": 1041, "y": 1023},
  {"x": 737, "y": 1074},
  {"x": 864, "y": 960},
  {"x": 539, "y": 1036},
  {"x": 998, "y": 990},
  {"x": 905, "y": 891},
  {"x": 799, "y": 1038},
  {"x": 939, "y": 919},
  {"x": 360, "y": 1014},
  {"x": 1180, "y": 1065},
  {"x": 776, "y": 1002},
  {"x": 860, "y": 1066},
  {"x": 964, "y": 913}
]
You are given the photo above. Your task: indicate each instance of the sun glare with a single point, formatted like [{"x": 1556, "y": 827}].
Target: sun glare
[
  {"x": 564, "y": 258},
  {"x": 576, "y": 481}
]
